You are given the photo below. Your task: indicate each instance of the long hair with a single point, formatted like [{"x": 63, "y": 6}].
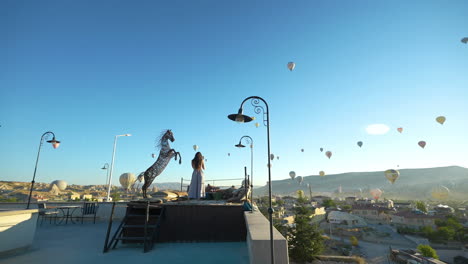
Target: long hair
[{"x": 198, "y": 161}]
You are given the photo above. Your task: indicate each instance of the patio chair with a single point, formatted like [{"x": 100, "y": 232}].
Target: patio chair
[
  {"x": 47, "y": 213},
  {"x": 89, "y": 209}
]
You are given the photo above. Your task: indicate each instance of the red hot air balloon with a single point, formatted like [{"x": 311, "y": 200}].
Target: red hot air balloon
[
  {"x": 400, "y": 129},
  {"x": 422, "y": 144},
  {"x": 328, "y": 154}
]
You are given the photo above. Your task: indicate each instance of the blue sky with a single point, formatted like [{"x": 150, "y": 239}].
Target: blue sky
[{"x": 91, "y": 70}]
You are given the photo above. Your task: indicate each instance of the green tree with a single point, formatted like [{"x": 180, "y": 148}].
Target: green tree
[
  {"x": 329, "y": 203},
  {"x": 354, "y": 241},
  {"x": 427, "y": 231},
  {"x": 346, "y": 207},
  {"x": 445, "y": 233},
  {"x": 305, "y": 240},
  {"x": 115, "y": 196},
  {"x": 427, "y": 251},
  {"x": 421, "y": 206}
]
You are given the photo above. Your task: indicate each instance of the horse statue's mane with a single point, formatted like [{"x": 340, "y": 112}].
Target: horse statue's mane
[{"x": 160, "y": 140}]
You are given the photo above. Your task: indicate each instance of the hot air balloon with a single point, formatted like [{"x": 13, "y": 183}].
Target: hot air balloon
[
  {"x": 440, "y": 192},
  {"x": 195, "y": 147},
  {"x": 440, "y": 119},
  {"x": 153, "y": 155},
  {"x": 291, "y": 65},
  {"x": 422, "y": 144},
  {"x": 302, "y": 150},
  {"x": 328, "y": 154},
  {"x": 272, "y": 156},
  {"x": 359, "y": 143},
  {"x": 257, "y": 125},
  {"x": 321, "y": 149},
  {"x": 229, "y": 154},
  {"x": 292, "y": 174},
  {"x": 322, "y": 173},
  {"x": 464, "y": 40},
  {"x": 277, "y": 157},
  {"x": 299, "y": 179},
  {"x": 376, "y": 193},
  {"x": 392, "y": 175},
  {"x": 400, "y": 129},
  {"x": 127, "y": 180}
]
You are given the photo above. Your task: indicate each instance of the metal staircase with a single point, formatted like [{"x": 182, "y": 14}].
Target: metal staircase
[{"x": 141, "y": 225}]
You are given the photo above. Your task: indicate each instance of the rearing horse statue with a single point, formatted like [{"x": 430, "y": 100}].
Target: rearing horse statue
[{"x": 165, "y": 155}]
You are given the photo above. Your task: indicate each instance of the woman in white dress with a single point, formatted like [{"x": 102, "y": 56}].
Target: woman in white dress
[{"x": 197, "y": 185}]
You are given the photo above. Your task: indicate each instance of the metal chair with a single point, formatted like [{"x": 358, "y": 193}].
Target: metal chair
[
  {"x": 47, "y": 213},
  {"x": 89, "y": 209}
]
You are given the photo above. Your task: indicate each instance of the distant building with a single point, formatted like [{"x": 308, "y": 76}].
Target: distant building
[
  {"x": 74, "y": 196},
  {"x": 414, "y": 219},
  {"x": 320, "y": 199},
  {"x": 343, "y": 218},
  {"x": 373, "y": 213},
  {"x": 403, "y": 205},
  {"x": 385, "y": 203},
  {"x": 443, "y": 210},
  {"x": 87, "y": 196},
  {"x": 350, "y": 200},
  {"x": 411, "y": 256},
  {"x": 364, "y": 201}
]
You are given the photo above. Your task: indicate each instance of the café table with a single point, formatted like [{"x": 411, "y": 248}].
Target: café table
[{"x": 67, "y": 212}]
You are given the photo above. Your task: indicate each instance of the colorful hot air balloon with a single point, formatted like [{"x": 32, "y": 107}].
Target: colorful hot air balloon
[
  {"x": 400, "y": 129},
  {"x": 299, "y": 179},
  {"x": 127, "y": 180},
  {"x": 292, "y": 174},
  {"x": 422, "y": 144},
  {"x": 322, "y": 173},
  {"x": 272, "y": 156},
  {"x": 392, "y": 175},
  {"x": 291, "y": 65},
  {"x": 440, "y": 192},
  {"x": 376, "y": 193},
  {"x": 321, "y": 149},
  {"x": 359, "y": 143},
  {"x": 328, "y": 154},
  {"x": 195, "y": 147},
  {"x": 257, "y": 124},
  {"x": 440, "y": 119}
]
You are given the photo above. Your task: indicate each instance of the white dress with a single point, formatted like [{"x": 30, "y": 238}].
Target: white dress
[{"x": 197, "y": 185}]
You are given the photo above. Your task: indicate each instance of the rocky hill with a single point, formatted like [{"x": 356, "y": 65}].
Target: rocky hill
[{"x": 413, "y": 184}]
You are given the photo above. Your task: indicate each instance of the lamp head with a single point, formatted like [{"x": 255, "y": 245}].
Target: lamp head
[
  {"x": 104, "y": 167},
  {"x": 239, "y": 145},
  {"x": 55, "y": 143},
  {"x": 240, "y": 117}
]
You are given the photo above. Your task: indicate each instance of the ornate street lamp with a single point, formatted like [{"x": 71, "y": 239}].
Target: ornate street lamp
[
  {"x": 241, "y": 118},
  {"x": 112, "y": 164},
  {"x": 55, "y": 144},
  {"x": 106, "y": 167},
  {"x": 249, "y": 140}
]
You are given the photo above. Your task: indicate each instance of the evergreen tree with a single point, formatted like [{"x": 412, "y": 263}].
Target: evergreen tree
[
  {"x": 421, "y": 206},
  {"x": 305, "y": 240}
]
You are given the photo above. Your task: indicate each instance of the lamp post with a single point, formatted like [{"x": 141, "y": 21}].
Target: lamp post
[
  {"x": 241, "y": 118},
  {"x": 112, "y": 164},
  {"x": 249, "y": 141},
  {"x": 55, "y": 144},
  {"x": 106, "y": 167}
]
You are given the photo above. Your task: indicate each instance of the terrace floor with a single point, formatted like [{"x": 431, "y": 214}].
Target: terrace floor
[{"x": 77, "y": 243}]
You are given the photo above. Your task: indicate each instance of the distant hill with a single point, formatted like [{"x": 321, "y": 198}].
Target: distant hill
[{"x": 412, "y": 184}]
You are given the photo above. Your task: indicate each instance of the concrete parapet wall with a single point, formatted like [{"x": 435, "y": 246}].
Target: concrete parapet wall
[{"x": 258, "y": 240}]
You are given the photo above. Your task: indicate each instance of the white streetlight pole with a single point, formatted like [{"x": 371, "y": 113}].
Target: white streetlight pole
[{"x": 112, "y": 165}]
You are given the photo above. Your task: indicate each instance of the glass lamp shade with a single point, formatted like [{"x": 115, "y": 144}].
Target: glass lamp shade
[{"x": 55, "y": 143}]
